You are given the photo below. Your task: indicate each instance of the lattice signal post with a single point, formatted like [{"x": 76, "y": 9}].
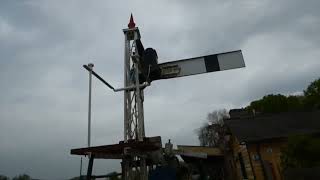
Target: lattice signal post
[
  {"x": 141, "y": 67},
  {"x": 133, "y": 99}
]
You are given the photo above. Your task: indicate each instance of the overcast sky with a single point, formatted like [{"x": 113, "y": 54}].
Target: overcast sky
[{"x": 44, "y": 89}]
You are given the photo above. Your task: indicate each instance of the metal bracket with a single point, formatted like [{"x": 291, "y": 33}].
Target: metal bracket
[{"x": 145, "y": 84}]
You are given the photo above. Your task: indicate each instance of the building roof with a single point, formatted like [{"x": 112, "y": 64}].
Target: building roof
[
  {"x": 198, "y": 150},
  {"x": 200, "y": 154},
  {"x": 277, "y": 125}
]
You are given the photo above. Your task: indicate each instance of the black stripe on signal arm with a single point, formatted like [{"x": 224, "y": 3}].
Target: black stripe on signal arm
[{"x": 212, "y": 63}]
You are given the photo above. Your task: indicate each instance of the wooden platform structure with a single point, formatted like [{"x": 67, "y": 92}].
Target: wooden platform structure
[{"x": 118, "y": 151}]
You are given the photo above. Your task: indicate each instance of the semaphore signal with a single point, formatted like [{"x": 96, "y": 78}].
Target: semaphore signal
[{"x": 138, "y": 152}]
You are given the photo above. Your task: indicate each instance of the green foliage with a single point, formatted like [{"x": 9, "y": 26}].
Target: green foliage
[
  {"x": 302, "y": 151},
  {"x": 295, "y": 103},
  {"x": 270, "y": 103},
  {"x": 2, "y": 177},
  {"x": 22, "y": 177},
  {"x": 280, "y": 103},
  {"x": 312, "y": 95}
]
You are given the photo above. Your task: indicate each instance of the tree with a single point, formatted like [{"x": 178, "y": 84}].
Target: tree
[
  {"x": 2, "y": 177},
  {"x": 279, "y": 103},
  {"x": 209, "y": 134},
  {"x": 22, "y": 177},
  {"x": 302, "y": 151},
  {"x": 295, "y": 103},
  {"x": 217, "y": 116},
  {"x": 312, "y": 95},
  {"x": 270, "y": 103}
]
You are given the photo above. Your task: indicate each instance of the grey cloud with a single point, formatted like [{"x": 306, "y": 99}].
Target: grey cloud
[{"x": 43, "y": 46}]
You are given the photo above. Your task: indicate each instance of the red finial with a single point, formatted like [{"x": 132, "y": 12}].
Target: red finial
[{"x": 131, "y": 23}]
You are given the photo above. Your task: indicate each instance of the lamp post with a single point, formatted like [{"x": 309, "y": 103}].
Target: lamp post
[{"x": 90, "y": 65}]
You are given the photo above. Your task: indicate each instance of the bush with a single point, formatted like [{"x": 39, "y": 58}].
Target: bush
[
  {"x": 302, "y": 151},
  {"x": 22, "y": 177},
  {"x": 2, "y": 177},
  {"x": 312, "y": 95}
]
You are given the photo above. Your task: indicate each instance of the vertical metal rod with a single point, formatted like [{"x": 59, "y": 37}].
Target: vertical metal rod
[
  {"x": 127, "y": 106},
  {"x": 125, "y": 97},
  {"x": 138, "y": 100},
  {"x": 81, "y": 168},
  {"x": 89, "y": 104},
  {"x": 142, "y": 112},
  {"x": 143, "y": 168},
  {"x": 127, "y": 169},
  {"x": 90, "y": 166}
]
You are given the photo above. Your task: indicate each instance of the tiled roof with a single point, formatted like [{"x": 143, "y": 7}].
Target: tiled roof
[{"x": 278, "y": 125}]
